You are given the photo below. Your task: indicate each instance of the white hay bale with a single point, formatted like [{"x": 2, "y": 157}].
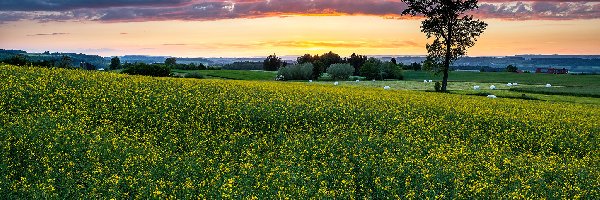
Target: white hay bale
[
  {"x": 310, "y": 81},
  {"x": 430, "y": 81},
  {"x": 336, "y": 83},
  {"x": 491, "y": 96},
  {"x": 515, "y": 84},
  {"x": 357, "y": 80},
  {"x": 424, "y": 81},
  {"x": 387, "y": 88},
  {"x": 548, "y": 85},
  {"x": 509, "y": 84},
  {"x": 476, "y": 87},
  {"x": 493, "y": 87}
]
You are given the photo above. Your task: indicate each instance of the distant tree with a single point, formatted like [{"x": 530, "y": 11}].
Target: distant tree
[
  {"x": 272, "y": 63},
  {"x": 18, "y": 60},
  {"x": 372, "y": 69},
  {"x": 394, "y": 61},
  {"x": 306, "y": 58},
  {"x": 453, "y": 31},
  {"x": 391, "y": 71},
  {"x": 415, "y": 66},
  {"x": 158, "y": 70},
  {"x": 115, "y": 63},
  {"x": 357, "y": 62},
  {"x": 330, "y": 58},
  {"x": 171, "y": 61},
  {"x": 65, "y": 62},
  {"x": 87, "y": 66},
  {"x": 511, "y": 68},
  {"x": 340, "y": 71},
  {"x": 296, "y": 72}
]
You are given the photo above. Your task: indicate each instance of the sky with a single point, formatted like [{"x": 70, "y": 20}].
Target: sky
[{"x": 244, "y": 28}]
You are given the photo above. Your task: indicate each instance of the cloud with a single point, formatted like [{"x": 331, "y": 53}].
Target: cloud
[
  {"x": 174, "y": 44},
  {"x": 47, "y": 34},
  {"x": 66, "y": 5},
  {"x": 202, "y": 10}
]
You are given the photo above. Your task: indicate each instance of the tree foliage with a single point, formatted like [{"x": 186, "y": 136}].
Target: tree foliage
[
  {"x": 452, "y": 31},
  {"x": 65, "y": 62},
  {"x": 115, "y": 63},
  {"x": 372, "y": 69},
  {"x": 158, "y": 70},
  {"x": 170, "y": 61},
  {"x": 340, "y": 71},
  {"x": 357, "y": 61},
  {"x": 296, "y": 72},
  {"x": 511, "y": 68},
  {"x": 272, "y": 63}
]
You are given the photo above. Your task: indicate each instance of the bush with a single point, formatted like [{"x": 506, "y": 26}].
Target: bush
[
  {"x": 194, "y": 75},
  {"x": 511, "y": 68},
  {"x": 157, "y": 70},
  {"x": 437, "y": 86},
  {"x": 340, "y": 71},
  {"x": 296, "y": 72}
]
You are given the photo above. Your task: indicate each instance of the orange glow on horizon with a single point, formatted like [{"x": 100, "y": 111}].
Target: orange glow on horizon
[{"x": 291, "y": 35}]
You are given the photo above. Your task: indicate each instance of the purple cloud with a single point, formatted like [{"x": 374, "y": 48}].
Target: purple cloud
[
  {"x": 47, "y": 34},
  {"x": 202, "y": 10}
]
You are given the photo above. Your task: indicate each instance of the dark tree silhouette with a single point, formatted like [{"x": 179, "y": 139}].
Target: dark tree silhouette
[
  {"x": 171, "y": 61},
  {"x": 272, "y": 63},
  {"x": 306, "y": 58},
  {"x": 511, "y": 68},
  {"x": 357, "y": 61},
  {"x": 115, "y": 63},
  {"x": 453, "y": 31},
  {"x": 65, "y": 62}
]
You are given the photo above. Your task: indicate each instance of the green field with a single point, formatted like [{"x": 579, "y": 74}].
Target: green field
[
  {"x": 72, "y": 134},
  {"x": 234, "y": 74},
  {"x": 507, "y": 77}
]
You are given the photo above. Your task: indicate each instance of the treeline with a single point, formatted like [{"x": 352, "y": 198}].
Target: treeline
[
  {"x": 314, "y": 66},
  {"x": 64, "y": 62},
  {"x": 156, "y": 69}
]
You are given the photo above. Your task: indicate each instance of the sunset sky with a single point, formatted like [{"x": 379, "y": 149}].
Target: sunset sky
[{"x": 238, "y": 28}]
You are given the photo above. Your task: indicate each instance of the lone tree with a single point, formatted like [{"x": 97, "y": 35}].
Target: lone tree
[
  {"x": 171, "y": 61},
  {"x": 511, "y": 68},
  {"x": 115, "y": 63},
  {"x": 453, "y": 31},
  {"x": 272, "y": 63}
]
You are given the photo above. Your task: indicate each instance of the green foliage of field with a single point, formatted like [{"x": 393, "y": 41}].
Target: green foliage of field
[
  {"x": 507, "y": 77},
  {"x": 77, "y": 134},
  {"x": 235, "y": 74},
  {"x": 588, "y": 91}
]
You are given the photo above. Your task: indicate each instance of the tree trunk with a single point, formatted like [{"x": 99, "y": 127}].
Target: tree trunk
[{"x": 448, "y": 56}]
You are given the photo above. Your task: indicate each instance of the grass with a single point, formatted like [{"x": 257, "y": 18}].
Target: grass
[
  {"x": 568, "y": 88},
  {"x": 466, "y": 88},
  {"x": 234, "y": 74},
  {"x": 587, "y": 91},
  {"x": 506, "y": 77}
]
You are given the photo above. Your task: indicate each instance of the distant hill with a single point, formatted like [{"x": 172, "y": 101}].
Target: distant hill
[{"x": 574, "y": 63}]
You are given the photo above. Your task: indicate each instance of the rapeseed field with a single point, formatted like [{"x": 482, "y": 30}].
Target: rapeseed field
[{"x": 80, "y": 134}]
